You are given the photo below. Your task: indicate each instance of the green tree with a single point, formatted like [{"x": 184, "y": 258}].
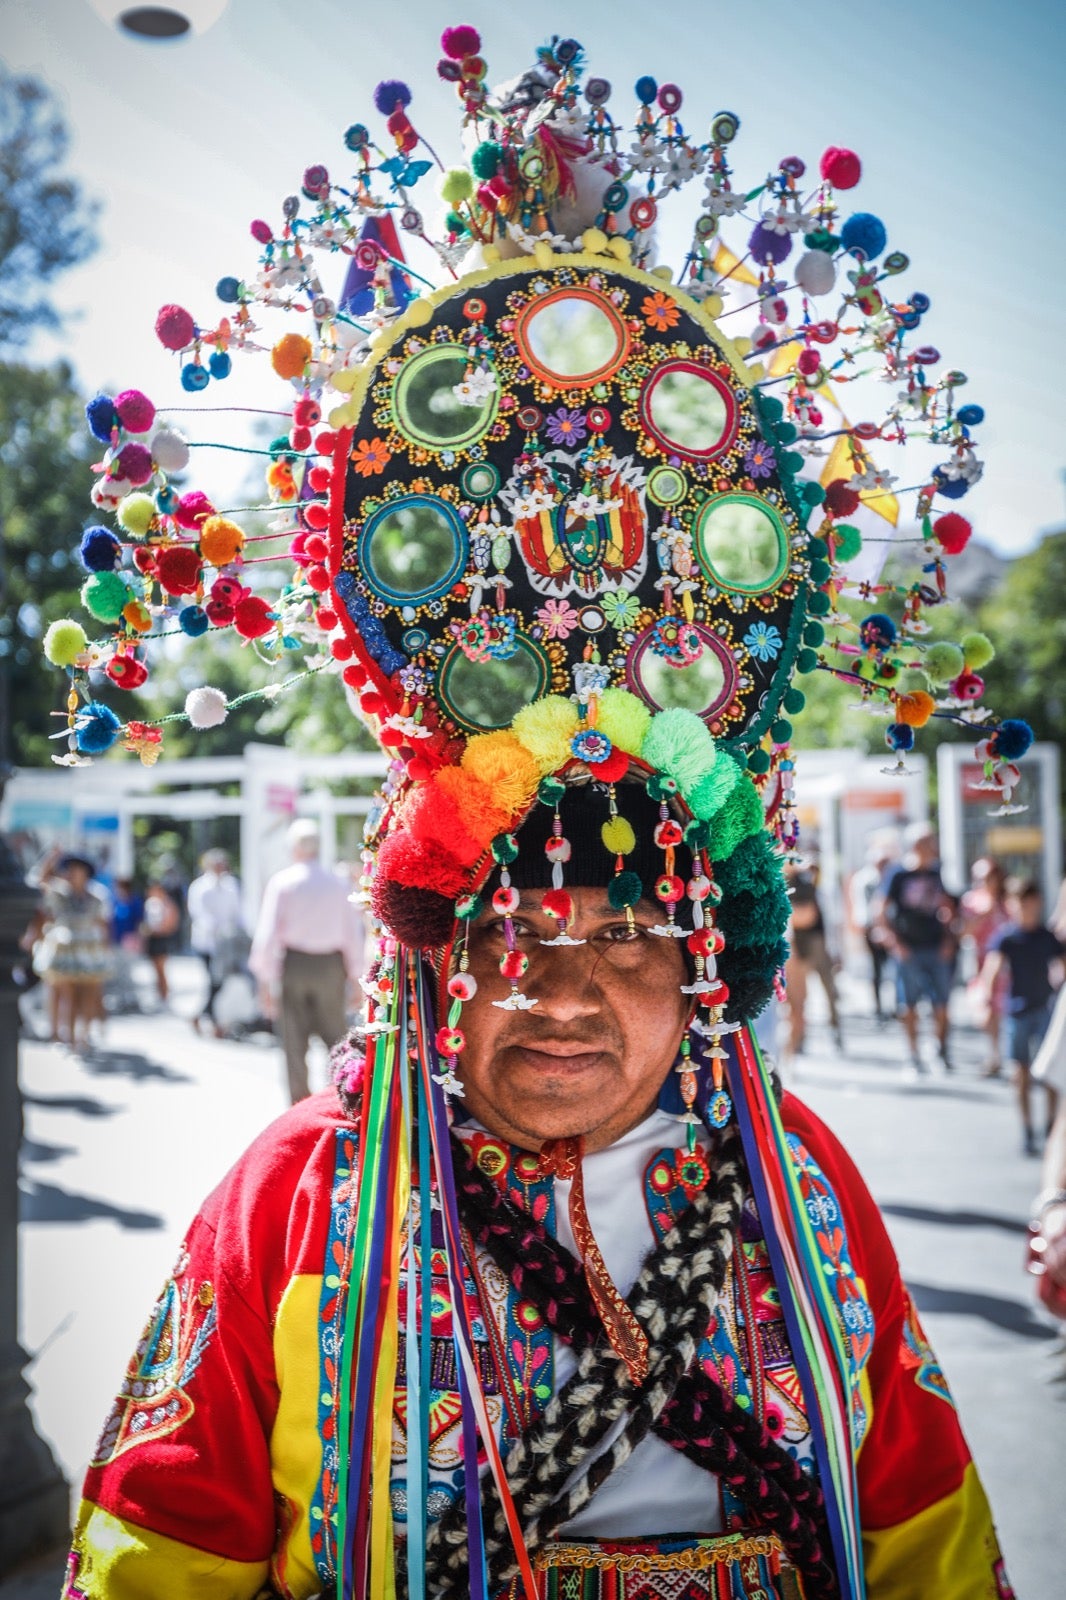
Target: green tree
[
  {"x": 46, "y": 221},
  {"x": 1026, "y": 621}
]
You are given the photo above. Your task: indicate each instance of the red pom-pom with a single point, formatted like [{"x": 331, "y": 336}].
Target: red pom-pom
[
  {"x": 953, "y": 532},
  {"x": 326, "y": 617},
  {"x": 418, "y": 918},
  {"x": 219, "y": 613},
  {"x": 514, "y": 965},
  {"x": 460, "y": 42},
  {"x": 355, "y": 676},
  {"x": 316, "y": 547},
  {"x": 392, "y": 738},
  {"x": 325, "y": 441},
  {"x": 610, "y": 771},
  {"x": 227, "y": 591},
  {"x": 144, "y": 558},
  {"x": 316, "y": 515},
  {"x": 318, "y": 579},
  {"x": 841, "y": 168},
  {"x": 372, "y": 704},
  {"x": 179, "y": 569},
  {"x": 126, "y": 671},
  {"x": 192, "y": 509},
  {"x": 557, "y": 903},
  {"x": 135, "y": 411},
  {"x": 340, "y": 649},
  {"x": 318, "y": 479},
  {"x": 174, "y": 327},
  {"x": 300, "y": 438},
  {"x": 417, "y": 767},
  {"x": 261, "y": 231},
  {"x": 251, "y": 617},
  {"x": 841, "y": 500},
  {"x": 420, "y": 864}
]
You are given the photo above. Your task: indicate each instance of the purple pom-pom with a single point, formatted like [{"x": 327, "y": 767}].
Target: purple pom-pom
[
  {"x": 134, "y": 461},
  {"x": 100, "y": 551},
  {"x": 950, "y": 488},
  {"x": 101, "y": 416},
  {"x": 1012, "y": 739},
  {"x": 389, "y": 94},
  {"x": 765, "y": 243}
]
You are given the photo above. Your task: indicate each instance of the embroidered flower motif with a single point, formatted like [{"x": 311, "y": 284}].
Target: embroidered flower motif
[
  {"x": 660, "y": 312},
  {"x": 763, "y": 641},
  {"x": 760, "y": 459},
  {"x": 591, "y": 745},
  {"x": 566, "y": 427},
  {"x": 370, "y": 457},
  {"x": 620, "y": 609},
  {"x": 476, "y": 387},
  {"x": 559, "y": 618}
]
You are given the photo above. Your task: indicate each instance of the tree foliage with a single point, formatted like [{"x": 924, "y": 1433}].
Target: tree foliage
[
  {"x": 1026, "y": 620},
  {"x": 46, "y": 221}
]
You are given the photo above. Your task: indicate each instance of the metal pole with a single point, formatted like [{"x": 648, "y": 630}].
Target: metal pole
[{"x": 34, "y": 1495}]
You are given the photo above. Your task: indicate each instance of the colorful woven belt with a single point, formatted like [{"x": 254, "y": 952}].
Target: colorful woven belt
[{"x": 735, "y": 1566}]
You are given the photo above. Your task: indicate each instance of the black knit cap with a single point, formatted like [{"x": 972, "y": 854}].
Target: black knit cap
[{"x": 583, "y": 809}]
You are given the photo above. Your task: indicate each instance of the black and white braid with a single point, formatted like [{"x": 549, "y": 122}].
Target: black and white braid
[{"x": 674, "y": 1299}]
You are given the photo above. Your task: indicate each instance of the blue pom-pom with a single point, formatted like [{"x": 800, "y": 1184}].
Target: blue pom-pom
[
  {"x": 970, "y": 415},
  {"x": 228, "y": 290},
  {"x": 921, "y": 302},
  {"x": 389, "y": 94},
  {"x": 100, "y": 551},
  {"x": 193, "y": 621},
  {"x": 1012, "y": 739},
  {"x": 97, "y": 729},
  {"x": 950, "y": 488},
  {"x": 194, "y": 378},
  {"x": 101, "y": 416},
  {"x": 899, "y": 736},
  {"x": 219, "y": 364},
  {"x": 864, "y": 235},
  {"x": 766, "y": 242},
  {"x": 877, "y": 631},
  {"x": 166, "y": 500},
  {"x": 645, "y": 90}
]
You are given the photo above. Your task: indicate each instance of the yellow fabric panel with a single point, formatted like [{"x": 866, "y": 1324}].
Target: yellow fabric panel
[
  {"x": 295, "y": 1445},
  {"x": 120, "y": 1561},
  {"x": 948, "y": 1550}
]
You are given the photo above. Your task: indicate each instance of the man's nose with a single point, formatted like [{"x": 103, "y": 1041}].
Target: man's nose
[{"x": 564, "y": 981}]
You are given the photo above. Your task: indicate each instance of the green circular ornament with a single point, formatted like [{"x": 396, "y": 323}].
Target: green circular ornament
[
  {"x": 504, "y": 849},
  {"x": 480, "y": 480},
  {"x": 550, "y": 791},
  {"x": 806, "y": 660},
  {"x": 758, "y": 761},
  {"x": 814, "y": 634},
  {"x": 818, "y": 604},
  {"x": 794, "y": 701},
  {"x": 781, "y": 731}
]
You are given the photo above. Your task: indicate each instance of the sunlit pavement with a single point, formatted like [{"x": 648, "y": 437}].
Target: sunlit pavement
[{"x": 122, "y": 1145}]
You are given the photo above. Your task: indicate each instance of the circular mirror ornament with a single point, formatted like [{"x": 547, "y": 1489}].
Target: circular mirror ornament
[
  {"x": 741, "y": 543},
  {"x": 572, "y": 338},
  {"x": 412, "y": 550},
  {"x": 703, "y": 684},
  {"x": 429, "y": 405},
  {"x": 483, "y": 695},
  {"x": 667, "y": 486},
  {"x": 689, "y": 411}
]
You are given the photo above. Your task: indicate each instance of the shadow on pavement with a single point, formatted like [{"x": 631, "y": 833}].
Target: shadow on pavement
[
  {"x": 955, "y": 1219},
  {"x": 37, "y": 1150},
  {"x": 1013, "y": 1316},
  {"x": 81, "y": 1103},
  {"x": 130, "y": 1064},
  {"x": 46, "y": 1202}
]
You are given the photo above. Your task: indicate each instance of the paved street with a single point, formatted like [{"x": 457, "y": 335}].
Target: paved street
[{"x": 121, "y": 1147}]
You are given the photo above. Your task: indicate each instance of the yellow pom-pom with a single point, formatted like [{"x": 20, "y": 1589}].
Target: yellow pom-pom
[
  {"x": 64, "y": 642},
  {"x": 618, "y": 836},
  {"x": 505, "y": 766},
  {"x": 624, "y": 719},
  {"x": 136, "y": 513},
  {"x": 290, "y": 355},
  {"x": 546, "y": 729},
  {"x": 977, "y": 651},
  {"x": 221, "y": 541},
  {"x": 594, "y": 241},
  {"x": 456, "y": 185}
]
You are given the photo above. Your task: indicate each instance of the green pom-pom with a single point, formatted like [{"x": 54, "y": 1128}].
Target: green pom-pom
[
  {"x": 747, "y": 919},
  {"x": 790, "y": 462},
  {"x": 794, "y": 700},
  {"x": 678, "y": 743},
  {"x": 456, "y": 186},
  {"x": 468, "y": 907},
  {"x": 821, "y": 572},
  {"x": 977, "y": 650},
  {"x": 504, "y": 849},
  {"x": 942, "y": 662},
  {"x": 64, "y": 642},
  {"x": 741, "y": 815},
  {"x": 550, "y": 791},
  {"x": 806, "y": 660},
  {"x": 781, "y": 731},
  {"x": 104, "y": 595},
  {"x": 848, "y": 541},
  {"x": 754, "y": 868},
  {"x": 771, "y": 407},
  {"x": 822, "y": 239},
  {"x": 455, "y": 223},
  {"x": 814, "y": 635},
  {"x": 698, "y": 834},
  {"x": 817, "y": 548},
  {"x": 660, "y": 787},
  {"x": 758, "y": 761},
  {"x": 485, "y": 161},
  {"x": 136, "y": 513},
  {"x": 786, "y": 432},
  {"x": 813, "y": 493},
  {"x": 624, "y": 889},
  {"x": 818, "y": 604},
  {"x": 711, "y": 793}
]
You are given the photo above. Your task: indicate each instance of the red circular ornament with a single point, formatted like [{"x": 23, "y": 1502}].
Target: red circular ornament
[{"x": 514, "y": 964}]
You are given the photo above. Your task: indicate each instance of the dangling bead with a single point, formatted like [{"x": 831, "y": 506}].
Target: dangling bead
[{"x": 514, "y": 963}]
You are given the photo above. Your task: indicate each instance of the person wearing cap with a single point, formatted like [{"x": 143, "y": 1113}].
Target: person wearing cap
[
  {"x": 306, "y": 951},
  {"x": 554, "y": 1294}
]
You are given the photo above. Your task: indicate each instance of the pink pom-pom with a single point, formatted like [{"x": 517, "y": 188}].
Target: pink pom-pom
[
  {"x": 460, "y": 42},
  {"x": 175, "y": 327},
  {"x": 953, "y": 532},
  {"x": 135, "y": 411},
  {"x": 134, "y": 461},
  {"x": 192, "y": 509},
  {"x": 841, "y": 168},
  {"x": 261, "y": 231}
]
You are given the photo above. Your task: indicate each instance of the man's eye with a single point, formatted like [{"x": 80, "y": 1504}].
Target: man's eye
[{"x": 622, "y": 933}]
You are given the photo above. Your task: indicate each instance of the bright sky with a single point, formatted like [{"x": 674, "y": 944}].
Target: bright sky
[{"x": 955, "y": 110}]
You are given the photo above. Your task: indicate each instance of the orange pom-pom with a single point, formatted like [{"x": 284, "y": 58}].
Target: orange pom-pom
[
  {"x": 483, "y": 815},
  {"x": 505, "y": 766},
  {"x": 915, "y": 708},
  {"x": 290, "y": 355},
  {"x": 221, "y": 541}
]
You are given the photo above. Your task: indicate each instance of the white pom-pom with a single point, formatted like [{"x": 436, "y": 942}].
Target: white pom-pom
[
  {"x": 107, "y": 492},
  {"x": 206, "y": 707},
  {"x": 169, "y": 450},
  {"x": 816, "y": 272}
]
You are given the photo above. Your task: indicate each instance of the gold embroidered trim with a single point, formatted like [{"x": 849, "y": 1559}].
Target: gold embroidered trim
[{"x": 698, "y": 1558}]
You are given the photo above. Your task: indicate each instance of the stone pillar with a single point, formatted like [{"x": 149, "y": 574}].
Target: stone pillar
[{"x": 34, "y": 1495}]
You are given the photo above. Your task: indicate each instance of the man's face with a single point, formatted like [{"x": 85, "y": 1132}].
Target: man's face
[{"x": 591, "y": 1056}]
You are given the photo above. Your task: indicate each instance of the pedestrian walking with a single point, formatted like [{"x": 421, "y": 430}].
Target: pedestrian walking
[
  {"x": 918, "y": 920},
  {"x": 865, "y": 895},
  {"x": 808, "y": 955},
  {"x": 161, "y": 925},
  {"x": 127, "y": 916},
  {"x": 306, "y": 951},
  {"x": 1024, "y": 951},
  {"x": 72, "y": 954},
  {"x": 217, "y": 932},
  {"x": 984, "y": 912}
]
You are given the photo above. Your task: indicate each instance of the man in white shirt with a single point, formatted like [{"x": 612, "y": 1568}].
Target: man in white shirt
[
  {"x": 307, "y": 949},
  {"x": 217, "y": 926}
]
